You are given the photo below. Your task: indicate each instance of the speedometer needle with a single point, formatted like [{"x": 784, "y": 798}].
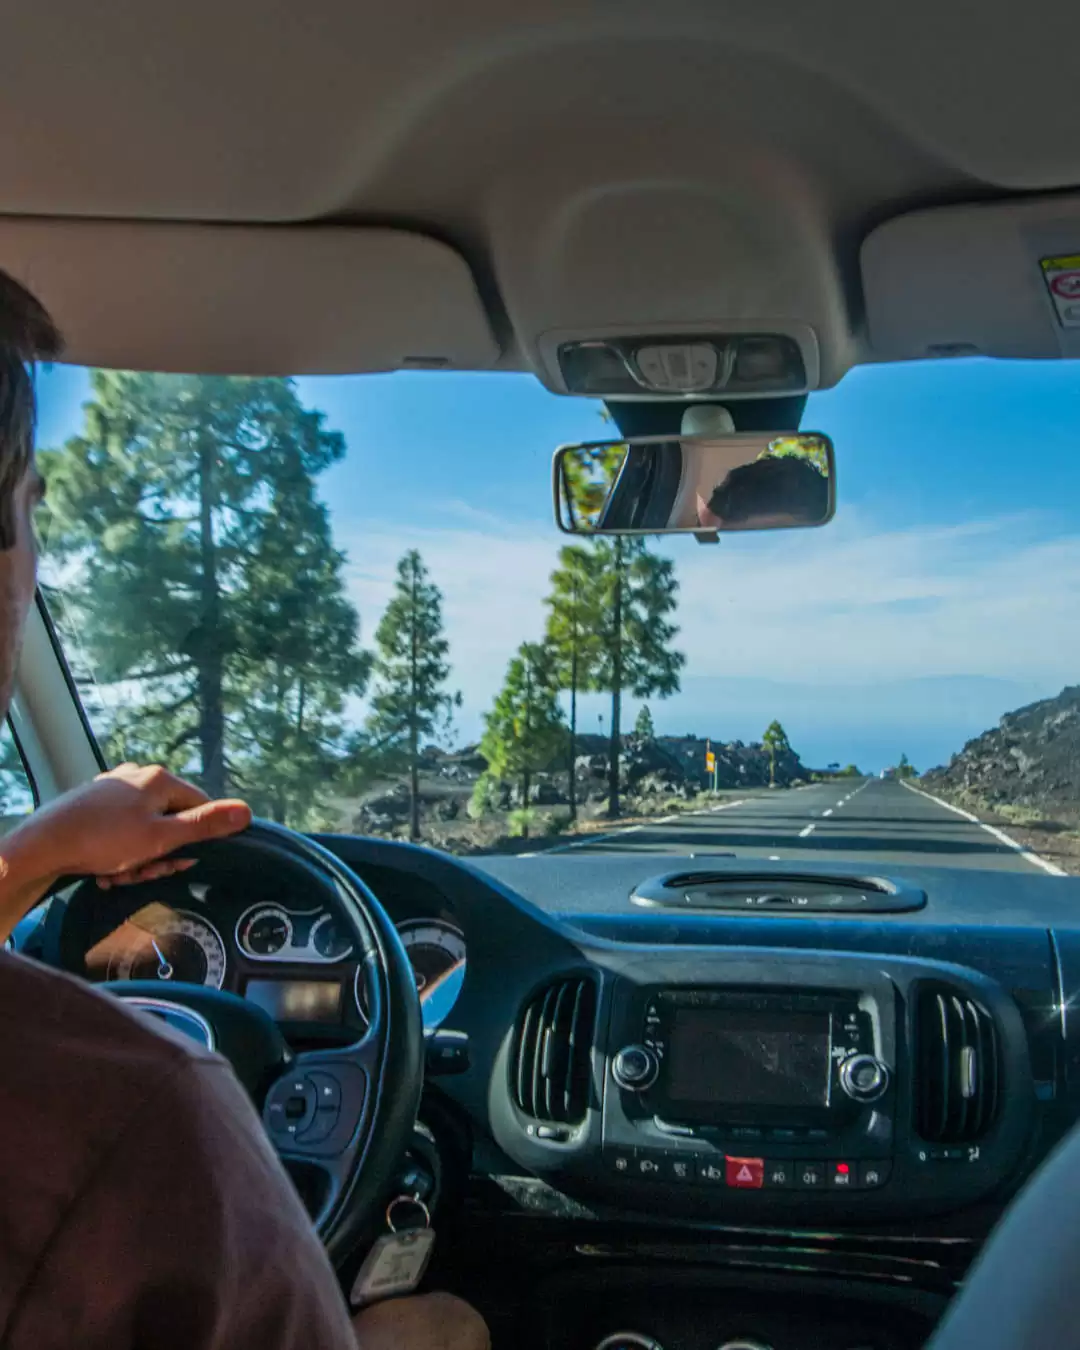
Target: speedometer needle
[{"x": 165, "y": 971}]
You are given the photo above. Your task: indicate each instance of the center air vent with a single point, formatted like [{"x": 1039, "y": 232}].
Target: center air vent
[
  {"x": 550, "y": 1066},
  {"x": 956, "y": 1067}
]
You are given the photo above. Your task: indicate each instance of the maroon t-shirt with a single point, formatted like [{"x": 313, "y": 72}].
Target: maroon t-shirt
[{"x": 141, "y": 1205}]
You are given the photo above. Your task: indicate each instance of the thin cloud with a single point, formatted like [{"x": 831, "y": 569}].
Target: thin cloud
[{"x": 841, "y": 605}]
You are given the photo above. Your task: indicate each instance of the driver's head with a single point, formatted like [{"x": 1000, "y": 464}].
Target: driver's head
[
  {"x": 27, "y": 334},
  {"x": 779, "y": 488}
]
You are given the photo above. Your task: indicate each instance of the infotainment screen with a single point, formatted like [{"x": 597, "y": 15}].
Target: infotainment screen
[{"x": 741, "y": 1058}]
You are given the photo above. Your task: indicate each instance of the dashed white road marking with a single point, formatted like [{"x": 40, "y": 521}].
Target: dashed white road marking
[
  {"x": 803, "y": 834},
  {"x": 1025, "y": 853},
  {"x": 828, "y": 812}
]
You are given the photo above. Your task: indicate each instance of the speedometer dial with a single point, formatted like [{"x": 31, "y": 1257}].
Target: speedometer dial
[
  {"x": 169, "y": 945},
  {"x": 437, "y": 955}
]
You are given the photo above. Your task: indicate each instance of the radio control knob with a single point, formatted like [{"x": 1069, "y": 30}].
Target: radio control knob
[
  {"x": 864, "y": 1078},
  {"x": 635, "y": 1068}
]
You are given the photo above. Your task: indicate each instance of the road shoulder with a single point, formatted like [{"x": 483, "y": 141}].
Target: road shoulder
[{"x": 1028, "y": 854}]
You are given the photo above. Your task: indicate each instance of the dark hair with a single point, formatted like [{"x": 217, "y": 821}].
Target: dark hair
[
  {"x": 773, "y": 485},
  {"x": 27, "y": 334}
]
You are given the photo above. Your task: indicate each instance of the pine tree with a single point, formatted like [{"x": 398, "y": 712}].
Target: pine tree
[
  {"x": 776, "y": 742},
  {"x": 292, "y": 745},
  {"x": 164, "y": 520},
  {"x": 411, "y": 669},
  {"x": 643, "y": 727},
  {"x": 571, "y": 636},
  {"x": 636, "y": 639},
  {"x": 525, "y": 729}
]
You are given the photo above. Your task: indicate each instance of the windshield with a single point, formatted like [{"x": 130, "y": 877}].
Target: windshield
[{"x": 346, "y": 599}]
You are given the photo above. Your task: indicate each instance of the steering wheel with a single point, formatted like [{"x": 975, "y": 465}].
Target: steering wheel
[
  {"x": 342, "y": 1117},
  {"x": 1022, "y": 1292}
]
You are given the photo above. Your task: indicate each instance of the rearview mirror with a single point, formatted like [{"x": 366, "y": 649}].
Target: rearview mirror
[{"x": 695, "y": 484}]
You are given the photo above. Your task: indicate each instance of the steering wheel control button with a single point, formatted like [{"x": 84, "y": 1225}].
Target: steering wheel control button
[
  {"x": 321, "y": 1127},
  {"x": 290, "y": 1108},
  {"x": 874, "y": 1174},
  {"x": 327, "y": 1091},
  {"x": 864, "y": 1078},
  {"x": 628, "y": 1340},
  {"x": 809, "y": 1175},
  {"x": 635, "y": 1068},
  {"x": 746, "y": 1174}
]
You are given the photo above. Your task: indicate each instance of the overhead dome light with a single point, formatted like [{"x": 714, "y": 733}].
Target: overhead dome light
[{"x": 733, "y": 364}]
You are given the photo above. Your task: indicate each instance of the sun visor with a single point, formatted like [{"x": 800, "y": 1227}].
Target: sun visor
[
  {"x": 267, "y": 300},
  {"x": 992, "y": 279}
]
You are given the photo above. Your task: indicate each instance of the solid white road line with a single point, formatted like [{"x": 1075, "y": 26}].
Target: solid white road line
[
  {"x": 1025, "y": 853},
  {"x": 808, "y": 831}
]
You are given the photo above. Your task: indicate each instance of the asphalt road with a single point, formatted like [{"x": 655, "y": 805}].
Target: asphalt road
[{"x": 858, "y": 820}]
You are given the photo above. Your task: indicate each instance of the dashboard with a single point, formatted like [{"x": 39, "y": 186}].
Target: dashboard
[{"x": 850, "y": 1082}]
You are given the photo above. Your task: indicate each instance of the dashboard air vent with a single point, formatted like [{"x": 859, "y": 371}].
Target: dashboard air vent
[
  {"x": 956, "y": 1068},
  {"x": 550, "y": 1067}
]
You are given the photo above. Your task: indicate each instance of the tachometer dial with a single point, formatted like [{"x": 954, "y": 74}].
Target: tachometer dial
[
  {"x": 329, "y": 939},
  {"x": 264, "y": 931},
  {"x": 437, "y": 955},
  {"x": 169, "y": 944}
]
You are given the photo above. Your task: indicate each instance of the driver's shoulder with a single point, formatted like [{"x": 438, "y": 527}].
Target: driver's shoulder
[
  {"x": 82, "y": 1072},
  {"x": 80, "y": 1065},
  {"x": 48, "y": 1014}
]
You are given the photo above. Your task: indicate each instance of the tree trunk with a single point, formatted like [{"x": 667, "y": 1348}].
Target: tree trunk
[
  {"x": 210, "y": 657},
  {"x": 526, "y": 783},
  {"x": 414, "y": 730},
  {"x": 616, "y": 684},
  {"x": 572, "y": 793}
]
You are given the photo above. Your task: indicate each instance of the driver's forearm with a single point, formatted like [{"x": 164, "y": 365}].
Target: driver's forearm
[{"x": 25, "y": 874}]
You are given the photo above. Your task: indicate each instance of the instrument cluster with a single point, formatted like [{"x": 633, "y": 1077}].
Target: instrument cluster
[{"x": 300, "y": 965}]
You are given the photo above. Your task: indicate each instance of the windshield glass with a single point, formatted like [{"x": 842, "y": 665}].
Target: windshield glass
[{"x": 346, "y": 599}]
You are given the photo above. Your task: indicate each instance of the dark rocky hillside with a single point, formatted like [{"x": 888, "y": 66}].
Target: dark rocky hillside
[{"x": 1030, "y": 759}]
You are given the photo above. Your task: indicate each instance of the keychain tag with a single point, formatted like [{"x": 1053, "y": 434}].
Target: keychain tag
[{"x": 397, "y": 1261}]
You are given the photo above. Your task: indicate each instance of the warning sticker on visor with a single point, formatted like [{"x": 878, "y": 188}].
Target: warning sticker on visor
[{"x": 1062, "y": 277}]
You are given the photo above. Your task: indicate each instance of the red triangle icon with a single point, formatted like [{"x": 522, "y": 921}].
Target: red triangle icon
[{"x": 744, "y": 1173}]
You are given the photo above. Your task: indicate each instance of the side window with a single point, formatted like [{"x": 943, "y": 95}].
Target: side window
[{"x": 16, "y": 792}]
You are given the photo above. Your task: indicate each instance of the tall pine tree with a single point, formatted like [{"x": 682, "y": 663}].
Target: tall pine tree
[
  {"x": 411, "y": 669},
  {"x": 638, "y": 592},
  {"x": 291, "y": 748},
  {"x": 571, "y": 636},
  {"x": 525, "y": 729},
  {"x": 186, "y": 504}
]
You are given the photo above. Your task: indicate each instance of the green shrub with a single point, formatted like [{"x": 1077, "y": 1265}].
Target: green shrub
[
  {"x": 522, "y": 823},
  {"x": 483, "y": 799}
]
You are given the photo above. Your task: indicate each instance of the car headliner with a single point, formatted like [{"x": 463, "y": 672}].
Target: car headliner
[{"x": 201, "y": 184}]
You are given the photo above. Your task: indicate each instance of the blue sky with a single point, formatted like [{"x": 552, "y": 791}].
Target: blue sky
[{"x": 945, "y": 592}]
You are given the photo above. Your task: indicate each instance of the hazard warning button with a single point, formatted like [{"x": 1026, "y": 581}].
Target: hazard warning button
[{"x": 746, "y": 1173}]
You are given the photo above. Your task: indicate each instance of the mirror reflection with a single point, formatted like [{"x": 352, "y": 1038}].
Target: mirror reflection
[{"x": 664, "y": 485}]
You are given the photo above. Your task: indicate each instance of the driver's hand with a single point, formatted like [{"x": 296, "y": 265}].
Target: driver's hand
[
  {"x": 421, "y": 1322},
  {"x": 117, "y": 828}
]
